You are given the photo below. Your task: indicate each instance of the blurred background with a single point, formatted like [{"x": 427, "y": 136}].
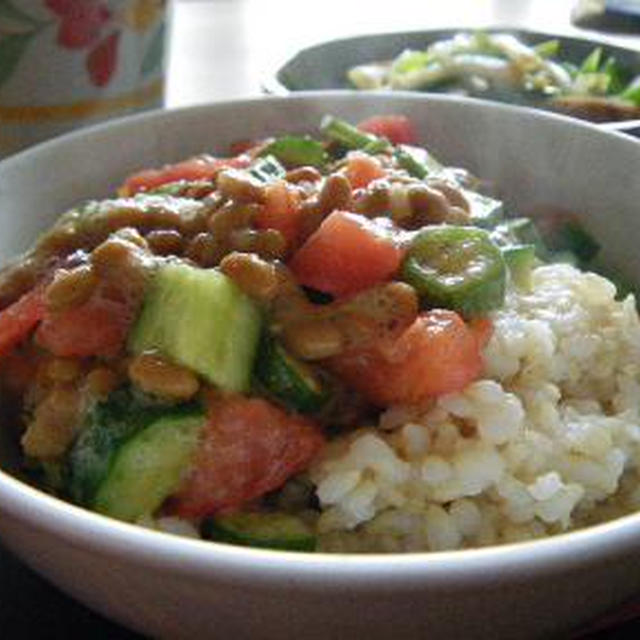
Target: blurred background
[{"x": 226, "y": 48}]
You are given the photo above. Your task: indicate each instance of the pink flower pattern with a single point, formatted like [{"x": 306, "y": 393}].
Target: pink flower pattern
[{"x": 82, "y": 26}]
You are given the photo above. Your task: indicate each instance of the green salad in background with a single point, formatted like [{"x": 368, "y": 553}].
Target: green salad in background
[{"x": 503, "y": 67}]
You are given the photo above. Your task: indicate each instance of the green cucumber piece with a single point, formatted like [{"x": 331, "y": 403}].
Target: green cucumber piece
[
  {"x": 296, "y": 151},
  {"x": 457, "y": 268},
  {"x": 520, "y": 260},
  {"x": 200, "y": 319},
  {"x": 107, "y": 426},
  {"x": 289, "y": 380},
  {"x": 149, "y": 467},
  {"x": 485, "y": 212},
  {"x": 265, "y": 530}
]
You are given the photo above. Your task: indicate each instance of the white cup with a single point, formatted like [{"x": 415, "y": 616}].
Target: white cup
[{"x": 70, "y": 63}]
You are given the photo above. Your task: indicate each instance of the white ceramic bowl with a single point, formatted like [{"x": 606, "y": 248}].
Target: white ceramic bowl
[{"x": 167, "y": 586}]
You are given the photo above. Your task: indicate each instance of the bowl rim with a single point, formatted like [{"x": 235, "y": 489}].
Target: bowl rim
[
  {"x": 401, "y": 571},
  {"x": 272, "y": 84}
]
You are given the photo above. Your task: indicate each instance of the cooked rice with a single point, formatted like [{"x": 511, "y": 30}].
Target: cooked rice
[{"x": 547, "y": 441}]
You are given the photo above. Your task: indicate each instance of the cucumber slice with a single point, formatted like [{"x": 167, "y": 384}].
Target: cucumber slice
[
  {"x": 292, "y": 382},
  {"x": 149, "y": 467},
  {"x": 520, "y": 260},
  {"x": 199, "y": 318},
  {"x": 457, "y": 268},
  {"x": 265, "y": 530},
  {"x": 107, "y": 426}
]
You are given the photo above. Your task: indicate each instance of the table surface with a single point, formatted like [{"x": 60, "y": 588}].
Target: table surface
[{"x": 224, "y": 49}]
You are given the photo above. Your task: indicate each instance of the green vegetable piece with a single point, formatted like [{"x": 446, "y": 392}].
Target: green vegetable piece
[
  {"x": 572, "y": 237},
  {"x": 548, "y": 48},
  {"x": 106, "y": 427},
  {"x": 200, "y": 319},
  {"x": 351, "y": 137},
  {"x": 632, "y": 92},
  {"x": 411, "y": 60},
  {"x": 267, "y": 168},
  {"x": 409, "y": 163},
  {"x": 616, "y": 75},
  {"x": 591, "y": 63},
  {"x": 291, "y": 381},
  {"x": 517, "y": 231},
  {"x": 265, "y": 530},
  {"x": 486, "y": 212},
  {"x": 520, "y": 260},
  {"x": 457, "y": 268},
  {"x": 294, "y": 151},
  {"x": 149, "y": 467}
]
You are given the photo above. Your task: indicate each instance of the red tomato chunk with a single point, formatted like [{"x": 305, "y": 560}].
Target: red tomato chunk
[
  {"x": 200, "y": 168},
  {"x": 437, "y": 354},
  {"x": 346, "y": 254},
  {"x": 363, "y": 169},
  {"x": 97, "y": 327},
  {"x": 281, "y": 211},
  {"x": 396, "y": 129},
  {"x": 19, "y": 319},
  {"x": 248, "y": 447}
]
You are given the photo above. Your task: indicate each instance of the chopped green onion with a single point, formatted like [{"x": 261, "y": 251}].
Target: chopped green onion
[
  {"x": 351, "y": 137},
  {"x": 409, "y": 163}
]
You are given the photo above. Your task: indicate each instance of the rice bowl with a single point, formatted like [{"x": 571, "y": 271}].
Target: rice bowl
[{"x": 562, "y": 558}]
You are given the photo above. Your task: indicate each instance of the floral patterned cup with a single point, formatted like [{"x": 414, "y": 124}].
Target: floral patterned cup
[{"x": 70, "y": 63}]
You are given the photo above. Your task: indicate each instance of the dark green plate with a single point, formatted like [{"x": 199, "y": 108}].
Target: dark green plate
[{"x": 325, "y": 66}]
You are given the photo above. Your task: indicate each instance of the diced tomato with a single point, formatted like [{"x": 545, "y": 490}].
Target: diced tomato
[
  {"x": 482, "y": 327},
  {"x": 19, "y": 319},
  {"x": 396, "y": 129},
  {"x": 97, "y": 327},
  {"x": 437, "y": 354},
  {"x": 346, "y": 254},
  {"x": 251, "y": 147},
  {"x": 281, "y": 211},
  {"x": 248, "y": 447},
  {"x": 363, "y": 169},
  {"x": 199, "y": 168}
]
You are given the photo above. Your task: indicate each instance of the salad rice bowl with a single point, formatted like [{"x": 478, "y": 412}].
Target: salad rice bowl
[{"x": 337, "y": 368}]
